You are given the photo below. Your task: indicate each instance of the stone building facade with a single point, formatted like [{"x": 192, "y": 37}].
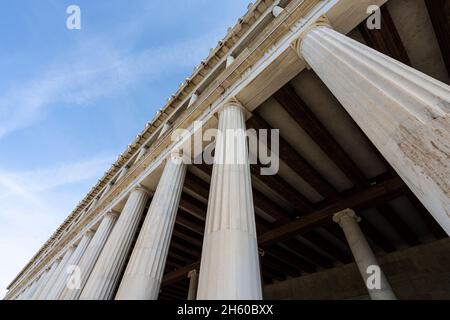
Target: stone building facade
[{"x": 363, "y": 179}]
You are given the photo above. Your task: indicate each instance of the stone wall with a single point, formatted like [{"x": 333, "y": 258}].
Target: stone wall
[{"x": 421, "y": 272}]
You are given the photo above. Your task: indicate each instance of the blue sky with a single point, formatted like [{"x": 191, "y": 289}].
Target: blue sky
[{"x": 72, "y": 100}]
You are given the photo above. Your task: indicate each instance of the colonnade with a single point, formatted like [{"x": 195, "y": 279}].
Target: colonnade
[{"x": 402, "y": 111}]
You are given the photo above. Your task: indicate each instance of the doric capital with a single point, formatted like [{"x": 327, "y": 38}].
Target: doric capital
[
  {"x": 321, "y": 22},
  {"x": 338, "y": 216},
  {"x": 234, "y": 103},
  {"x": 141, "y": 188},
  {"x": 112, "y": 213}
]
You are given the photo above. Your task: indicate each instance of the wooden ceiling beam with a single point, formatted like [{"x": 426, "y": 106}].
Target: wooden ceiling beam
[
  {"x": 193, "y": 206},
  {"x": 295, "y": 161},
  {"x": 260, "y": 201},
  {"x": 179, "y": 244},
  {"x": 179, "y": 274},
  {"x": 188, "y": 221},
  {"x": 196, "y": 185},
  {"x": 180, "y": 257},
  {"x": 306, "y": 119},
  {"x": 387, "y": 39},
  {"x": 194, "y": 241},
  {"x": 283, "y": 188},
  {"x": 179, "y": 249},
  {"x": 174, "y": 293},
  {"x": 336, "y": 231},
  {"x": 270, "y": 181},
  {"x": 366, "y": 198}
]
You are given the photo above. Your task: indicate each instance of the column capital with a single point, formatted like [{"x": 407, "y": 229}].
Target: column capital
[
  {"x": 337, "y": 217},
  {"x": 192, "y": 273},
  {"x": 141, "y": 188},
  {"x": 233, "y": 102},
  {"x": 112, "y": 213},
  {"x": 322, "y": 21}
]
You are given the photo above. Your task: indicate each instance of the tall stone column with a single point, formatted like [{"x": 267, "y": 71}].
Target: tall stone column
[
  {"x": 144, "y": 272},
  {"x": 105, "y": 275},
  {"x": 32, "y": 288},
  {"x": 54, "y": 278},
  {"x": 63, "y": 278},
  {"x": 364, "y": 257},
  {"x": 22, "y": 294},
  {"x": 230, "y": 264},
  {"x": 404, "y": 112},
  {"x": 45, "y": 278},
  {"x": 89, "y": 258},
  {"x": 193, "y": 284}
]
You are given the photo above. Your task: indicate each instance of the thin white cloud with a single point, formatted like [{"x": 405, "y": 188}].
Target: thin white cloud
[
  {"x": 96, "y": 70},
  {"x": 33, "y": 203}
]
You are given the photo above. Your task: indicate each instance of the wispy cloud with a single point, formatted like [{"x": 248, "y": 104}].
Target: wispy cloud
[
  {"x": 93, "y": 70},
  {"x": 27, "y": 183},
  {"x": 33, "y": 203}
]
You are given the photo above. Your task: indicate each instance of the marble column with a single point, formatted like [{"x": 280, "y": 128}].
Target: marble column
[
  {"x": 89, "y": 258},
  {"x": 23, "y": 295},
  {"x": 404, "y": 112},
  {"x": 105, "y": 275},
  {"x": 193, "y": 284},
  {"x": 144, "y": 272},
  {"x": 54, "y": 278},
  {"x": 45, "y": 278},
  {"x": 32, "y": 288},
  {"x": 74, "y": 260},
  {"x": 230, "y": 264},
  {"x": 364, "y": 257}
]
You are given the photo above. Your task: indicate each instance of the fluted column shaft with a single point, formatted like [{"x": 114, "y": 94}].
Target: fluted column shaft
[
  {"x": 230, "y": 264},
  {"x": 32, "y": 288},
  {"x": 144, "y": 272},
  {"x": 45, "y": 278},
  {"x": 89, "y": 258},
  {"x": 404, "y": 112},
  {"x": 105, "y": 275},
  {"x": 193, "y": 285},
  {"x": 61, "y": 268},
  {"x": 63, "y": 278},
  {"x": 364, "y": 256}
]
